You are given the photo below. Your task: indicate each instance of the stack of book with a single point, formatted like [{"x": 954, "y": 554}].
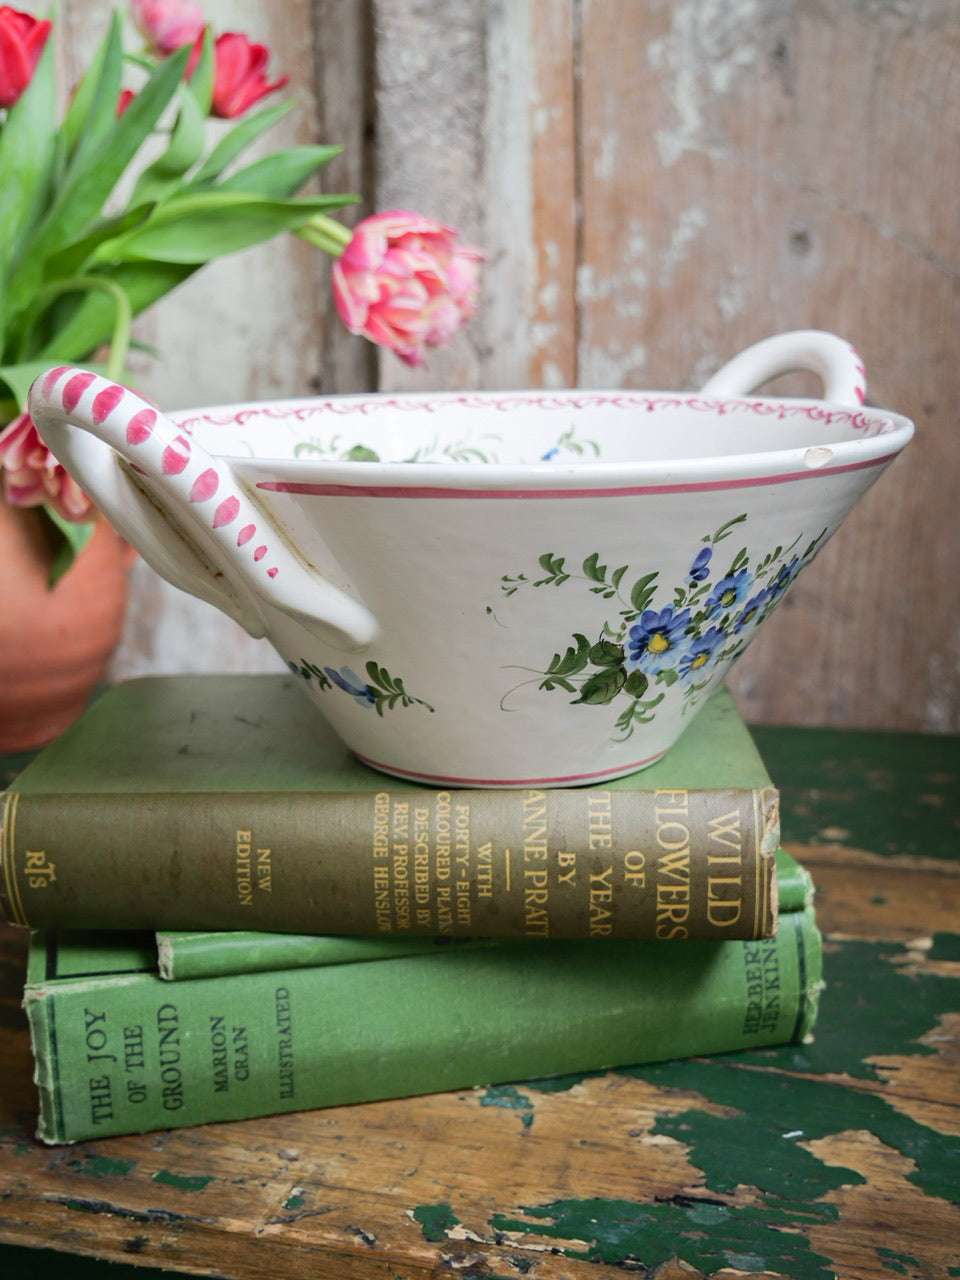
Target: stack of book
[{"x": 232, "y": 917}]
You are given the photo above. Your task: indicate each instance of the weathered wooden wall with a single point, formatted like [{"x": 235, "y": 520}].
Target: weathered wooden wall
[{"x": 657, "y": 183}]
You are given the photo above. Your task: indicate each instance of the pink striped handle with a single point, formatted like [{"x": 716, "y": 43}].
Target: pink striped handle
[{"x": 203, "y": 532}]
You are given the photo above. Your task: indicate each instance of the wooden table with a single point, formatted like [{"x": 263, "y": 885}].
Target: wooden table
[{"x": 841, "y": 1157}]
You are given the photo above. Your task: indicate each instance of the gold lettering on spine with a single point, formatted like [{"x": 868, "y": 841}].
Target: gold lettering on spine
[
  {"x": 599, "y": 821},
  {"x": 536, "y": 884},
  {"x": 421, "y": 864},
  {"x": 401, "y": 864},
  {"x": 461, "y": 849},
  {"x": 673, "y": 864},
  {"x": 380, "y": 849},
  {"x": 244, "y": 877},
  {"x": 443, "y": 860},
  {"x": 601, "y": 893},
  {"x": 725, "y": 871},
  {"x": 39, "y": 872}
]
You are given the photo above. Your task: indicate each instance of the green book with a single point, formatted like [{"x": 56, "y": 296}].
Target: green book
[
  {"x": 206, "y": 953},
  {"x": 118, "y": 1050},
  {"x": 226, "y": 803}
]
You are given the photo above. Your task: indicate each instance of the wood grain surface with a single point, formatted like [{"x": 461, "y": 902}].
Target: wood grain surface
[
  {"x": 840, "y": 1157},
  {"x": 656, "y": 185}
]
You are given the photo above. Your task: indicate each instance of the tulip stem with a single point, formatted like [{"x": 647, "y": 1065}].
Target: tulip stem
[
  {"x": 120, "y": 341},
  {"x": 326, "y": 234}
]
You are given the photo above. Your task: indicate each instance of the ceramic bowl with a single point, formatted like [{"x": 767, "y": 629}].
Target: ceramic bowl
[{"x": 488, "y": 589}]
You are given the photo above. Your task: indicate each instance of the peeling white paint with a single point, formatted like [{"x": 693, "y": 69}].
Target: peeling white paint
[
  {"x": 552, "y": 374},
  {"x": 710, "y": 45},
  {"x": 690, "y": 224},
  {"x": 594, "y": 287},
  {"x": 605, "y": 158},
  {"x": 732, "y": 293},
  {"x": 607, "y": 369}
]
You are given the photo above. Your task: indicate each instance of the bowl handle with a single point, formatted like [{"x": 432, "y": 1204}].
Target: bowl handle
[
  {"x": 813, "y": 350},
  {"x": 182, "y": 509}
]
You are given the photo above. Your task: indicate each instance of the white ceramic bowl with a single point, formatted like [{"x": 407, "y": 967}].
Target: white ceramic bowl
[{"x": 490, "y": 588}]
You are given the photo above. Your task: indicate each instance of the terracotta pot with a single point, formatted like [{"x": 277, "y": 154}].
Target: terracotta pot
[{"x": 55, "y": 643}]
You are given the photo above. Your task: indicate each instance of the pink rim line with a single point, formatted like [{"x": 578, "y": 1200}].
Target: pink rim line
[
  {"x": 307, "y": 489},
  {"x": 618, "y": 772}
]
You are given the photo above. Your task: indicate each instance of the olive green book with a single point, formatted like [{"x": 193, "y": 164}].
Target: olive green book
[
  {"x": 206, "y": 953},
  {"x": 227, "y": 803},
  {"x": 118, "y": 1050}
]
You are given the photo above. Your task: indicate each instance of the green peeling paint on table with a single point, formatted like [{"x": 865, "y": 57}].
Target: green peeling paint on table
[{"x": 839, "y": 1157}]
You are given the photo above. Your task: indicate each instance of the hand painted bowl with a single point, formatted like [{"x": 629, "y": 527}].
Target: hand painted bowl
[{"x": 489, "y": 589}]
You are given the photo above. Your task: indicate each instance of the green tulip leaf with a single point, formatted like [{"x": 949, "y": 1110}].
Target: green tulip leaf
[
  {"x": 26, "y": 157},
  {"x": 85, "y": 321},
  {"x": 93, "y": 109},
  {"x": 71, "y": 540},
  {"x": 200, "y": 83},
  {"x": 210, "y": 224},
  {"x": 73, "y": 259},
  {"x": 82, "y": 196},
  {"x": 19, "y": 378},
  {"x": 283, "y": 173},
  {"x": 237, "y": 139},
  {"x": 187, "y": 141}
]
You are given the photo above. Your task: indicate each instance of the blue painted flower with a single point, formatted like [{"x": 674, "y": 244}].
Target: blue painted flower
[
  {"x": 351, "y": 683},
  {"x": 701, "y": 651},
  {"x": 654, "y": 642},
  {"x": 783, "y": 579},
  {"x": 730, "y": 592},
  {"x": 700, "y": 568},
  {"x": 751, "y": 609}
]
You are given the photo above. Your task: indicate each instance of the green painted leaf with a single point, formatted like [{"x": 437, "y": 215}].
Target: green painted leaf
[
  {"x": 725, "y": 529},
  {"x": 557, "y": 682},
  {"x": 595, "y": 571},
  {"x": 603, "y": 687},
  {"x": 740, "y": 559},
  {"x": 606, "y": 654},
  {"x": 574, "y": 660},
  {"x": 636, "y": 684},
  {"x": 642, "y": 592}
]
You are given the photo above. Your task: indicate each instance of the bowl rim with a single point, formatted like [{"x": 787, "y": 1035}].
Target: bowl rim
[{"x": 320, "y": 475}]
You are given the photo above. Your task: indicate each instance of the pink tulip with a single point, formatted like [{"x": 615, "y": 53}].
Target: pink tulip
[
  {"x": 22, "y": 38},
  {"x": 405, "y": 283},
  {"x": 239, "y": 75},
  {"x": 169, "y": 24},
  {"x": 32, "y": 477}
]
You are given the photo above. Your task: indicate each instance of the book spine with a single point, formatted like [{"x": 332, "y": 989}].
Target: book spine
[
  {"x": 590, "y": 862},
  {"x": 131, "y": 1053},
  {"x": 200, "y": 954},
  {"x": 795, "y": 887}
]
